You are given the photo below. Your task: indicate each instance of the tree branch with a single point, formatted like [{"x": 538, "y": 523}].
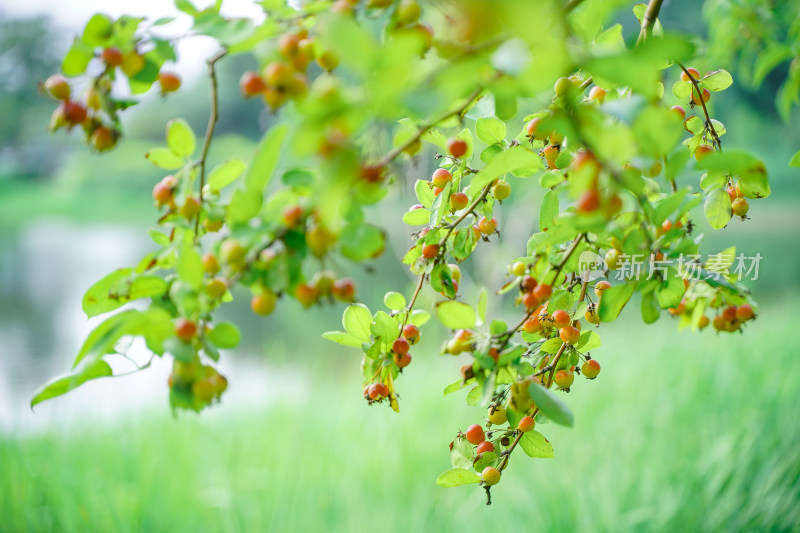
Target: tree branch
[
  {"x": 212, "y": 123},
  {"x": 696, "y": 89},
  {"x": 649, "y": 20}
]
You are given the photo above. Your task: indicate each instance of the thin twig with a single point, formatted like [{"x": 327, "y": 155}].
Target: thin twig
[
  {"x": 696, "y": 88},
  {"x": 212, "y": 123},
  {"x": 649, "y": 20}
]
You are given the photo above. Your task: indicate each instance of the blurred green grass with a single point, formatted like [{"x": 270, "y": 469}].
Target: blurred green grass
[{"x": 681, "y": 432}]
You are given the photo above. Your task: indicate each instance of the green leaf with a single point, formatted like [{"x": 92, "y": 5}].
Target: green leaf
[
  {"x": 457, "y": 476},
  {"x": 88, "y": 370},
  {"x": 180, "y": 137},
  {"x": 340, "y": 337},
  {"x": 186, "y": 6},
  {"x": 155, "y": 324},
  {"x": 657, "y": 131},
  {"x": 511, "y": 160},
  {"x": 424, "y": 193},
  {"x": 419, "y": 317},
  {"x": 456, "y": 315},
  {"x": 650, "y": 308},
  {"x": 719, "y": 80},
  {"x": 225, "y": 173},
  {"x": 490, "y": 130},
  {"x": 225, "y": 335},
  {"x": 417, "y": 217},
  {"x": 190, "y": 267},
  {"x": 394, "y": 301},
  {"x": 795, "y": 162},
  {"x": 453, "y": 387},
  {"x": 118, "y": 288},
  {"x": 384, "y": 327},
  {"x": 483, "y": 298},
  {"x": 266, "y": 158},
  {"x": 551, "y": 346},
  {"x": 551, "y": 405},
  {"x": 535, "y": 445},
  {"x": 97, "y": 31},
  {"x": 77, "y": 58},
  {"x": 245, "y": 204},
  {"x": 670, "y": 291},
  {"x": 357, "y": 320},
  {"x": 589, "y": 340},
  {"x": 440, "y": 205},
  {"x": 548, "y": 210},
  {"x": 164, "y": 158},
  {"x": 359, "y": 241},
  {"x": 717, "y": 208},
  {"x": 613, "y": 300}
]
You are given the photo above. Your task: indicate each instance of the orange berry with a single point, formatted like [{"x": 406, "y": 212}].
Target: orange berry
[
  {"x": 564, "y": 378},
  {"x": 484, "y": 447},
  {"x": 441, "y": 177},
  {"x": 457, "y": 147},
  {"x": 185, "y": 329},
  {"x": 561, "y": 318},
  {"x": 569, "y": 334},
  {"x": 251, "y": 84},
  {"x": 112, "y": 57},
  {"x": 526, "y": 424},
  {"x": 693, "y": 71},
  {"x": 475, "y": 434},
  {"x": 169, "y": 81},
  {"x": 590, "y": 369}
]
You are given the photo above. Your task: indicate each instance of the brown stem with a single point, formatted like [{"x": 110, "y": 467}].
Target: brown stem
[
  {"x": 567, "y": 254},
  {"x": 410, "y": 305},
  {"x": 465, "y": 214},
  {"x": 696, "y": 89},
  {"x": 212, "y": 123},
  {"x": 649, "y": 19},
  {"x": 391, "y": 156}
]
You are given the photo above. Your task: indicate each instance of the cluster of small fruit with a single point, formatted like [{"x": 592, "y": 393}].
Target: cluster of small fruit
[
  {"x": 192, "y": 384},
  {"x": 729, "y": 319},
  {"x": 285, "y": 77},
  {"x": 96, "y": 111},
  {"x": 377, "y": 391}
]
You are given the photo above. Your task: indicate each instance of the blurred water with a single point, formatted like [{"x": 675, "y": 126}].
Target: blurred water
[{"x": 45, "y": 268}]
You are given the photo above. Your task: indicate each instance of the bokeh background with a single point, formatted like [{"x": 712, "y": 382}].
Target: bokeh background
[{"x": 681, "y": 431}]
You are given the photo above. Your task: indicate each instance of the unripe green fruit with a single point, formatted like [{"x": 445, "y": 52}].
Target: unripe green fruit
[
  {"x": 204, "y": 389},
  {"x": 408, "y": 11},
  {"x": 191, "y": 207},
  {"x": 210, "y": 263},
  {"x": 519, "y": 268},
  {"x": 455, "y": 272},
  {"x": 562, "y": 86},
  {"x": 612, "y": 258},
  {"x": 497, "y": 415},
  {"x": 490, "y": 476},
  {"x": 590, "y": 369},
  {"x": 501, "y": 191},
  {"x": 103, "y": 139},
  {"x": 232, "y": 252},
  {"x": 57, "y": 87}
]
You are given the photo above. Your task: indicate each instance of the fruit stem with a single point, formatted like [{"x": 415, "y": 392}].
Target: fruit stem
[
  {"x": 465, "y": 214},
  {"x": 212, "y": 123},
  {"x": 411, "y": 302}
]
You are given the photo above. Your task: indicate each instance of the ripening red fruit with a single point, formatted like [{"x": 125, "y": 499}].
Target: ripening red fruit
[
  {"x": 288, "y": 44},
  {"x": 702, "y": 151},
  {"x": 164, "y": 191},
  {"x": 589, "y": 201},
  {"x": 590, "y": 369},
  {"x": 210, "y": 263},
  {"x": 185, "y": 329},
  {"x": 484, "y": 447},
  {"x": 551, "y": 154},
  {"x": 569, "y": 334},
  {"x": 411, "y": 333},
  {"x": 475, "y": 434},
  {"x": 678, "y": 110},
  {"x": 112, "y": 57},
  {"x": 306, "y": 294},
  {"x": 706, "y": 96},
  {"x": 441, "y": 177},
  {"x": 402, "y": 360},
  {"x": 729, "y": 313},
  {"x": 371, "y": 174},
  {"x": 487, "y": 226},
  {"x": 535, "y": 130},
  {"x": 719, "y": 323},
  {"x": 429, "y": 251},
  {"x": 740, "y": 207},
  {"x": 251, "y": 84},
  {"x": 203, "y": 390},
  {"x": 527, "y": 284},
  {"x": 457, "y": 147},
  {"x": 103, "y": 139},
  {"x": 292, "y": 216},
  {"x": 598, "y": 94},
  {"x": 378, "y": 390},
  {"x": 57, "y": 87},
  {"x": 458, "y": 201},
  {"x": 703, "y": 322},
  {"x": 344, "y": 290},
  {"x": 327, "y": 60},
  {"x": 529, "y": 300},
  {"x": 532, "y": 325},
  {"x": 169, "y": 81},
  {"x": 601, "y": 286},
  {"x": 564, "y": 378},
  {"x": 501, "y": 191},
  {"x": 561, "y": 318},
  {"x": 400, "y": 346},
  {"x": 693, "y": 71},
  {"x": 526, "y": 424},
  {"x": 263, "y": 303},
  {"x": 543, "y": 292},
  {"x": 74, "y": 112},
  {"x": 490, "y": 476},
  {"x": 744, "y": 312}
]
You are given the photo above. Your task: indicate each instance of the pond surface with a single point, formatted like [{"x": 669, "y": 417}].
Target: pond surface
[{"x": 45, "y": 267}]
